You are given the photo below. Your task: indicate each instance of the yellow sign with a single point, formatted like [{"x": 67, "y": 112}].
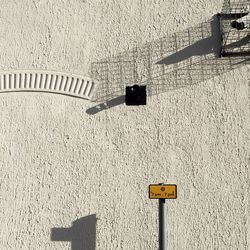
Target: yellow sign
[{"x": 165, "y": 191}]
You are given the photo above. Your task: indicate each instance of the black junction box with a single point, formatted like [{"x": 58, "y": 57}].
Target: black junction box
[{"x": 136, "y": 95}]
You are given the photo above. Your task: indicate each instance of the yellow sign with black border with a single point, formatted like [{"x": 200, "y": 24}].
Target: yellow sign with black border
[{"x": 162, "y": 191}]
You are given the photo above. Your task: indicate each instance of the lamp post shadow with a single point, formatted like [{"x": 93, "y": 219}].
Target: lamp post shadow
[{"x": 82, "y": 233}]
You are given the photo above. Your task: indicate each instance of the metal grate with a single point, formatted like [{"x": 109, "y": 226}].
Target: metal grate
[
  {"x": 234, "y": 42},
  {"x": 54, "y": 82}
]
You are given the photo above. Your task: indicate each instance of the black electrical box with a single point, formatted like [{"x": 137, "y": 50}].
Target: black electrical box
[{"x": 136, "y": 95}]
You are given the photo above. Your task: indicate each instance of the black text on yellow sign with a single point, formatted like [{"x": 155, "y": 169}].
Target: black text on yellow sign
[{"x": 166, "y": 191}]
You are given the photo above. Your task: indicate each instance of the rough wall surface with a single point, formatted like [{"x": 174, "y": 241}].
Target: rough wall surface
[{"x": 71, "y": 178}]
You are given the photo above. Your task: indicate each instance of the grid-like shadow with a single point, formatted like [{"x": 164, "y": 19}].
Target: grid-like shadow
[
  {"x": 235, "y": 6},
  {"x": 183, "y": 59},
  {"x": 234, "y": 42}
]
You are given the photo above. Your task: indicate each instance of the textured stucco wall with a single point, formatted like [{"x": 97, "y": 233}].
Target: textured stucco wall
[{"x": 64, "y": 166}]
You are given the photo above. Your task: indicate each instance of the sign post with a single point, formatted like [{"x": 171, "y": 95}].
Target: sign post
[
  {"x": 162, "y": 223},
  {"x": 162, "y": 191}
]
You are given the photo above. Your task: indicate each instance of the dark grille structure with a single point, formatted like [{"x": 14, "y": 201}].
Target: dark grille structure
[{"x": 235, "y": 34}]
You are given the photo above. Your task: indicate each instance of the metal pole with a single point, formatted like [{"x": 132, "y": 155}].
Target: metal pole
[{"x": 162, "y": 227}]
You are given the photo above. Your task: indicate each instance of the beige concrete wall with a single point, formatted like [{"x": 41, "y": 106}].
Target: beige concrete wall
[{"x": 65, "y": 163}]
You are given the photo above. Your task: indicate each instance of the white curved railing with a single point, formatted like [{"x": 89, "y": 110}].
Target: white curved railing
[{"x": 47, "y": 81}]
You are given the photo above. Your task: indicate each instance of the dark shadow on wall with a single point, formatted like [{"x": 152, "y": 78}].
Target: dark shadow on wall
[
  {"x": 183, "y": 59},
  {"x": 82, "y": 233},
  {"x": 205, "y": 46},
  {"x": 241, "y": 42},
  {"x": 106, "y": 105}
]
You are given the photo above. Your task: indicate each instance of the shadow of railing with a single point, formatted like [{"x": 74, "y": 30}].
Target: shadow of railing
[
  {"x": 183, "y": 59},
  {"x": 82, "y": 233}
]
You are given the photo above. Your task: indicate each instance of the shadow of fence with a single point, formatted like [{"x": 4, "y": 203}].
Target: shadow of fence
[{"x": 182, "y": 59}]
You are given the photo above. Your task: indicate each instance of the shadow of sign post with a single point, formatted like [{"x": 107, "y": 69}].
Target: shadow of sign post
[{"x": 82, "y": 233}]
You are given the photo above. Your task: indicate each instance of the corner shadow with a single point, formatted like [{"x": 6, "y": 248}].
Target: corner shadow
[{"x": 82, "y": 233}]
